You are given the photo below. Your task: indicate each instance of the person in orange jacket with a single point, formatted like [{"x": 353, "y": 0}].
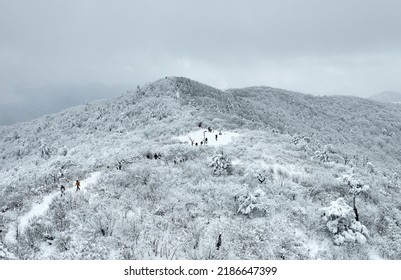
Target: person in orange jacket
[{"x": 78, "y": 184}]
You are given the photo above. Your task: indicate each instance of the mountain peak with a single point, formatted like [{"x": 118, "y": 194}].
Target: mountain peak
[{"x": 179, "y": 87}]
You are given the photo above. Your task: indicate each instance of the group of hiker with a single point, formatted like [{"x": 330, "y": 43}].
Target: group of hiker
[
  {"x": 205, "y": 140},
  {"x": 202, "y": 142},
  {"x": 77, "y": 184}
]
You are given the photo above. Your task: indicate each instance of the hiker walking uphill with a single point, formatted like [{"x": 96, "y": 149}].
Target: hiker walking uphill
[{"x": 78, "y": 184}]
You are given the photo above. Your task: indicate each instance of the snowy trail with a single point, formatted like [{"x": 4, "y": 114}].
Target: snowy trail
[{"x": 39, "y": 209}]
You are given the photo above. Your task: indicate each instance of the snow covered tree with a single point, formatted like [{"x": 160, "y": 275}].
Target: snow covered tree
[
  {"x": 221, "y": 165},
  {"x": 44, "y": 150},
  {"x": 355, "y": 187},
  {"x": 5, "y": 254},
  {"x": 251, "y": 203},
  {"x": 395, "y": 180},
  {"x": 371, "y": 168},
  {"x": 324, "y": 154},
  {"x": 340, "y": 220}
]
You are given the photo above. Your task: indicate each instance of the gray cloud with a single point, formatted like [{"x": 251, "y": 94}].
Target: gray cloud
[{"x": 316, "y": 46}]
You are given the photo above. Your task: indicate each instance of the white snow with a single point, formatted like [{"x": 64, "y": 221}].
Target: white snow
[
  {"x": 373, "y": 255},
  {"x": 226, "y": 137},
  {"x": 236, "y": 161},
  {"x": 47, "y": 250},
  {"x": 39, "y": 209},
  {"x": 10, "y": 235}
]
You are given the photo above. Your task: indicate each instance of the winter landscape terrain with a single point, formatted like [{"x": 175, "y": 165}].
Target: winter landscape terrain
[{"x": 282, "y": 175}]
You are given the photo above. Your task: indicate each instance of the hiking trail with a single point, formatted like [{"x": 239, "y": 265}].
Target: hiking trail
[{"x": 38, "y": 209}]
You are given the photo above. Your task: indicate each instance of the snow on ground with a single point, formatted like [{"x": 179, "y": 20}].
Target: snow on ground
[
  {"x": 39, "y": 209},
  {"x": 373, "y": 255},
  {"x": 236, "y": 162},
  {"x": 10, "y": 235},
  {"x": 226, "y": 137},
  {"x": 47, "y": 250}
]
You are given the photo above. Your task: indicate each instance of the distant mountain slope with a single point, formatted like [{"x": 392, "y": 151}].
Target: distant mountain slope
[
  {"x": 258, "y": 195},
  {"x": 387, "y": 97},
  {"x": 39, "y": 101}
]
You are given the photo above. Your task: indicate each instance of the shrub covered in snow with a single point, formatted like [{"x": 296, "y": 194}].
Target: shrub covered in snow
[
  {"x": 355, "y": 184},
  {"x": 325, "y": 154},
  {"x": 251, "y": 203},
  {"x": 221, "y": 165},
  {"x": 341, "y": 223}
]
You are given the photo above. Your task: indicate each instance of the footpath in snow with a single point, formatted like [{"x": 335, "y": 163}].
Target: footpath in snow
[
  {"x": 226, "y": 137},
  {"x": 39, "y": 209}
]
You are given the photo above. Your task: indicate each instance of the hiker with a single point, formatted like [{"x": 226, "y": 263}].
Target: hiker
[
  {"x": 196, "y": 144},
  {"x": 77, "y": 183},
  {"x": 62, "y": 189},
  {"x": 205, "y": 140},
  {"x": 201, "y": 143},
  {"x": 216, "y": 137}
]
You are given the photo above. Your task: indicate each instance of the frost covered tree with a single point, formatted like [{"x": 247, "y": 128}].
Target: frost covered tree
[
  {"x": 355, "y": 188},
  {"x": 44, "y": 150},
  {"x": 221, "y": 165},
  {"x": 370, "y": 167},
  {"x": 324, "y": 154},
  {"x": 394, "y": 180},
  {"x": 340, "y": 220},
  {"x": 251, "y": 203},
  {"x": 5, "y": 254}
]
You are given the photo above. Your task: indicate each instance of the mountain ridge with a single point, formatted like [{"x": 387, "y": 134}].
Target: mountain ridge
[
  {"x": 157, "y": 196},
  {"x": 387, "y": 97}
]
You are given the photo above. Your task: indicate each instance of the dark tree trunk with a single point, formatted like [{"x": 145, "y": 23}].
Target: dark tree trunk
[
  {"x": 356, "y": 211},
  {"x": 218, "y": 244}
]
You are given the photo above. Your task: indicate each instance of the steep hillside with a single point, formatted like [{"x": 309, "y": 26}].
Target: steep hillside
[{"x": 283, "y": 175}]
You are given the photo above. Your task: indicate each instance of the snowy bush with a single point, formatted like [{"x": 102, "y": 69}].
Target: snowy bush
[
  {"x": 63, "y": 151},
  {"x": 301, "y": 142},
  {"x": 103, "y": 221},
  {"x": 62, "y": 241},
  {"x": 355, "y": 185},
  {"x": 36, "y": 232},
  {"x": 341, "y": 223},
  {"x": 251, "y": 203},
  {"x": 44, "y": 150},
  {"x": 5, "y": 254},
  {"x": 325, "y": 154},
  {"x": 58, "y": 211},
  {"x": 370, "y": 167},
  {"x": 221, "y": 165}
]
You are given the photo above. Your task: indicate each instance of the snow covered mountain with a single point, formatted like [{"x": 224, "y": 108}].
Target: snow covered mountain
[
  {"x": 387, "y": 97},
  {"x": 282, "y": 175}
]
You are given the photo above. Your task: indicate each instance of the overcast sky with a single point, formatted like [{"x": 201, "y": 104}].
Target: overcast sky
[{"x": 312, "y": 46}]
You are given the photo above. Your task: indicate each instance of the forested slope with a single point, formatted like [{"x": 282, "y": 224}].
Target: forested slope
[{"x": 307, "y": 177}]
